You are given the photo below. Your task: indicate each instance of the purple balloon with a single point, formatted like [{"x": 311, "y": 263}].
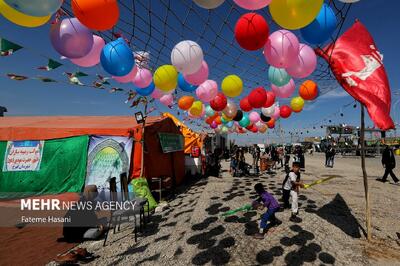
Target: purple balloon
[
  {"x": 71, "y": 39},
  {"x": 305, "y": 63},
  {"x": 214, "y": 125},
  {"x": 281, "y": 49},
  {"x": 277, "y": 113},
  {"x": 93, "y": 57},
  {"x": 285, "y": 91}
]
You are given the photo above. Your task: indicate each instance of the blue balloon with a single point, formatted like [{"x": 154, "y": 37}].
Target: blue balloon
[
  {"x": 184, "y": 85},
  {"x": 117, "y": 58},
  {"x": 322, "y": 27},
  {"x": 229, "y": 124},
  {"x": 245, "y": 120},
  {"x": 278, "y": 76},
  {"x": 36, "y": 8},
  {"x": 146, "y": 91}
]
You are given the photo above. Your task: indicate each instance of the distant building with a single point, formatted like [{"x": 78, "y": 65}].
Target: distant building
[{"x": 2, "y": 110}]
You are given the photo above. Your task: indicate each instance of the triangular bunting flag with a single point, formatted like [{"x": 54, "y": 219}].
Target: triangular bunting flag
[
  {"x": 7, "y": 47},
  {"x": 52, "y": 64},
  {"x": 44, "y": 79},
  {"x": 16, "y": 77}
]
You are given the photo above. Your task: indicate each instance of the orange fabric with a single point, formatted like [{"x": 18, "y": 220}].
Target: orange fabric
[
  {"x": 191, "y": 138},
  {"x": 54, "y": 127}
]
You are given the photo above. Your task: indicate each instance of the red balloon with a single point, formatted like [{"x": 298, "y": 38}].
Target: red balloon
[
  {"x": 219, "y": 102},
  {"x": 245, "y": 105},
  {"x": 257, "y": 97},
  {"x": 271, "y": 123},
  {"x": 249, "y": 127},
  {"x": 285, "y": 111},
  {"x": 251, "y": 31},
  {"x": 254, "y": 130},
  {"x": 270, "y": 99}
]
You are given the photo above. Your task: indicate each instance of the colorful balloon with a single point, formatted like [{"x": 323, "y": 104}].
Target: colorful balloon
[
  {"x": 308, "y": 90},
  {"x": 167, "y": 99},
  {"x": 245, "y": 105},
  {"x": 251, "y": 31},
  {"x": 271, "y": 123},
  {"x": 294, "y": 14},
  {"x": 270, "y": 99},
  {"x": 218, "y": 120},
  {"x": 199, "y": 76},
  {"x": 305, "y": 63},
  {"x": 96, "y": 14},
  {"x": 185, "y": 102},
  {"x": 71, "y": 39},
  {"x": 238, "y": 116},
  {"x": 285, "y": 111},
  {"x": 196, "y": 108},
  {"x": 166, "y": 78},
  {"x": 232, "y": 86},
  {"x": 209, "y": 4},
  {"x": 219, "y": 102},
  {"x": 116, "y": 58},
  {"x": 254, "y": 117},
  {"x": 278, "y": 76},
  {"x": 284, "y": 91},
  {"x": 229, "y": 124},
  {"x": 281, "y": 49},
  {"x": 184, "y": 85},
  {"x": 129, "y": 77},
  {"x": 297, "y": 104},
  {"x": 157, "y": 94},
  {"x": 277, "y": 113},
  {"x": 143, "y": 78},
  {"x": 207, "y": 90},
  {"x": 252, "y": 4},
  {"x": 210, "y": 112},
  {"x": 93, "y": 57},
  {"x": 245, "y": 121},
  {"x": 257, "y": 97},
  {"x": 36, "y": 8},
  {"x": 262, "y": 129},
  {"x": 146, "y": 91},
  {"x": 214, "y": 125},
  {"x": 269, "y": 111},
  {"x": 21, "y": 18},
  {"x": 322, "y": 28},
  {"x": 264, "y": 118},
  {"x": 230, "y": 109},
  {"x": 187, "y": 56}
]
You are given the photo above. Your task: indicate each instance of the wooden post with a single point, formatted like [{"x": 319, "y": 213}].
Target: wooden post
[{"x": 367, "y": 206}]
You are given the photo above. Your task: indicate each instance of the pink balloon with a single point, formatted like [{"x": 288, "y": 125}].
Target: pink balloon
[
  {"x": 167, "y": 99},
  {"x": 214, "y": 125},
  {"x": 143, "y": 78},
  {"x": 285, "y": 91},
  {"x": 93, "y": 57},
  {"x": 254, "y": 117},
  {"x": 207, "y": 90},
  {"x": 128, "y": 77},
  {"x": 281, "y": 49},
  {"x": 277, "y": 113},
  {"x": 305, "y": 63},
  {"x": 157, "y": 93},
  {"x": 252, "y": 4},
  {"x": 198, "y": 77},
  {"x": 203, "y": 111}
]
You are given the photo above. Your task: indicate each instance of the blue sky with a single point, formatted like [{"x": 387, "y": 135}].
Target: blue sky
[{"x": 32, "y": 97}]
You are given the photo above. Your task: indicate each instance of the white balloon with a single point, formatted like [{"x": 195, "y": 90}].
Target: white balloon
[
  {"x": 268, "y": 111},
  {"x": 209, "y": 4},
  {"x": 187, "y": 56}
]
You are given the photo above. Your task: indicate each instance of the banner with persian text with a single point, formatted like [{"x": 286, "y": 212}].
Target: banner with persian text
[{"x": 23, "y": 156}]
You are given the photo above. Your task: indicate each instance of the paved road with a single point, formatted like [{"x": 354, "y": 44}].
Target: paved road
[{"x": 329, "y": 231}]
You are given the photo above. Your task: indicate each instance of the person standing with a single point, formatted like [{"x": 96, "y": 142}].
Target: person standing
[
  {"x": 327, "y": 155},
  {"x": 332, "y": 153},
  {"x": 290, "y": 188},
  {"x": 389, "y": 163}
]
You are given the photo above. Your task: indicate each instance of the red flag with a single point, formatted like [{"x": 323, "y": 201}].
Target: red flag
[{"x": 357, "y": 65}]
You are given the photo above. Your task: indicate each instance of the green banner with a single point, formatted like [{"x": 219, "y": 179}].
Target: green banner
[
  {"x": 171, "y": 142},
  {"x": 62, "y": 169}
]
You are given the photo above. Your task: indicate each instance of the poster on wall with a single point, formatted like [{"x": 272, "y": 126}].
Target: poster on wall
[
  {"x": 108, "y": 156},
  {"x": 23, "y": 155}
]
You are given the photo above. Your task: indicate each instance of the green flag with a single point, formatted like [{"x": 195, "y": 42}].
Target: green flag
[
  {"x": 52, "y": 64},
  {"x": 7, "y": 47}
]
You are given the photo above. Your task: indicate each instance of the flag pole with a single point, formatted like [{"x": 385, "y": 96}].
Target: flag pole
[{"x": 367, "y": 206}]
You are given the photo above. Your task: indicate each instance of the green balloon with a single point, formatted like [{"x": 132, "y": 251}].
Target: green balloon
[
  {"x": 245, "y": 121},
  {"x": 278, "y": 76},
  {"x": 223, "y": 120},
  {"x": 209, "y": 111},
  {"x": 224, "y": 130}
]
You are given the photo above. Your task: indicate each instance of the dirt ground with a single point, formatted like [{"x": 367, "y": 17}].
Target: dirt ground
[{"x": 330, "y": 229}]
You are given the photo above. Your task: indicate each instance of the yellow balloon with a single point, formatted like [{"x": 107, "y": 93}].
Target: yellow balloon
[
  {"x": 197, "y": 108},
  {"x": 21, "y": 19},
  {"x": 232, "y": 86},
  {"x": 227, "y": 118},
  {"x": 294, "y": 14},
  {"x": 166, "y": 78},
  {"x": 297, "y": 104}
]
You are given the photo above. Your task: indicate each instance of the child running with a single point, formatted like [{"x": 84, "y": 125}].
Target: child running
[
  {"x": 290, "y": 188},
  {"x": 265, "y": 200}
]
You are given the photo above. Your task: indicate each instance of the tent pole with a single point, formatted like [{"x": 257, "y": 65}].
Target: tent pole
[
  {"x": 142, "y": 139},
  {"x": 367, "y": 206}
]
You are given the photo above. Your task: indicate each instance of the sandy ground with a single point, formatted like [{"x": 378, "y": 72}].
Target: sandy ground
[{"x": 330, "y": 228}]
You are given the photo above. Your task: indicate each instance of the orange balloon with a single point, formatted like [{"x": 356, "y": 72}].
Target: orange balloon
[
  {"x": 209, "y": 120},
  {"x": 308, "y": 90},
  {"x": 185, "y": 102},
  {"x": 96, "y": 14},
  {"x": 218, "y": 120},
  {"x": 271, "y": 123}
]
